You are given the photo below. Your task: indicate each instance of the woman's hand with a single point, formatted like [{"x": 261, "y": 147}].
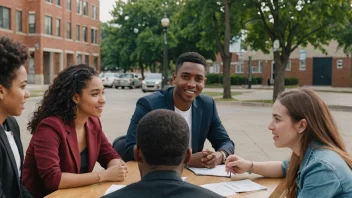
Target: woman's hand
[
  {"x": 237, "y": 165},
  {"x": 114, "y": 173}
]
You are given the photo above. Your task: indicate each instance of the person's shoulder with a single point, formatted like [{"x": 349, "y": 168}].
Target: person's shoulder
[
  {"x": 158, "y": 95},
  {"x": 131, "y": 191},
  {"x": 52, "y": 120},
  {"x": 205, "y": 100}
]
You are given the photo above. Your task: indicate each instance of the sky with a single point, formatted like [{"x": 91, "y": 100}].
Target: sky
[{"x": 105, "y": 7}]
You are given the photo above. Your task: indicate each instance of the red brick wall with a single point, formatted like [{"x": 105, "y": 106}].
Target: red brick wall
[{"x": 342, "y": 77}]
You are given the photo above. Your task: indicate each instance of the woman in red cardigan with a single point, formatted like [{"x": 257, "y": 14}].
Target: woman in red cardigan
[{"x": 67, "y": 136}]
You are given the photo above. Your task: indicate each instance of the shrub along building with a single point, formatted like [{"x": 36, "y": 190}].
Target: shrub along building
[
  {"x": 58, "y": 33},
  {"x": 310, "y": 66}
]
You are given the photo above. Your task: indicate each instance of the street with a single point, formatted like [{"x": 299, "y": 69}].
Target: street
[{"x": 247, "y": 126}]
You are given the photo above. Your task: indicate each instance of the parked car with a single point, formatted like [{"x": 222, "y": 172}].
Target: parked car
[
  {"x": 128, "y": 80},
  {"x": 108, "y": 78},
  {"x": 152, "y": 82}
]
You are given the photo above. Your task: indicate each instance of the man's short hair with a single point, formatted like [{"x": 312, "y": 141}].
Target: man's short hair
[
  {"x": 192, "y": 57},
  {"x": 163, "y": 138}
]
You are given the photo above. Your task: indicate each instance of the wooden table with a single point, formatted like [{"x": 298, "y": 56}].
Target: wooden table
[{"x": 275, "y": 186}]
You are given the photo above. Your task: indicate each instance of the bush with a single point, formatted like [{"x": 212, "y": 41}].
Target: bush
[
  {"x": 291, "y": 81},
  {"x": 235, "y": 79},
  {"x": 214, "y": 79}
]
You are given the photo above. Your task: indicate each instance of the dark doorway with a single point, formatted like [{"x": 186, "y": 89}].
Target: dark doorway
[{"x": 322, "y": 71}]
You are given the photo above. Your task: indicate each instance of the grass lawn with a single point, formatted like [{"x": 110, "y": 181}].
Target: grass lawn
[
  {"x": 36, "y": 93},
  {"x": 222, "y": 99},
  {"x": 260, "y": 101}
]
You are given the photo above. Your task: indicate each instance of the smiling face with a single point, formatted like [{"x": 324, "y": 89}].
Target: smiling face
[
  {"x": 91, "y": 101},
  {"x": 189, "y": 83},
  {"x": 13, "y": 98},
  {"x": 286, "y": 133}
]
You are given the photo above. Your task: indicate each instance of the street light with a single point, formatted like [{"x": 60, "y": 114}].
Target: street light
[
  {"x": 165, "y": 23},
  {"x": 250, "y": 54}
]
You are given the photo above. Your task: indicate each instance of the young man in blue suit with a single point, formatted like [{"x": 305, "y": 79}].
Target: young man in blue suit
[
  {"x": 161, "y": 151},
  {"x": 198, "y": 110}
]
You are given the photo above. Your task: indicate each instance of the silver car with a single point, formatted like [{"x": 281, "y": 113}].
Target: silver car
[
  {"x": 128, "y": 80},
  {"x": 108, "y": 78},
  {"x": 152, "y": 82}
]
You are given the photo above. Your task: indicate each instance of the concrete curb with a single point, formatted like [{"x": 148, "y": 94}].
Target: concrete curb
[{"x": 261, "y": 104}]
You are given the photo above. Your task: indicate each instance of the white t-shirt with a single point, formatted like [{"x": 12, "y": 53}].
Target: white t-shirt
[
  {"x": 15, "y": 151},
  {"x": 187, "y": 115}
]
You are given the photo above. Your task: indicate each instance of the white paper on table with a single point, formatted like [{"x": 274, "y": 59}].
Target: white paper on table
[
  {"x": 233, "y": 187},
  {"x": 219, "y": 170},
  {"x": 114, "y": 188},
  {"x": 184, "y": 178}
]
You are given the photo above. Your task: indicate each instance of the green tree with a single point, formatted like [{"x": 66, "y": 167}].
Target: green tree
[
  {"x": 215, "y": 23},
  {"x": 293, "y": 23}
]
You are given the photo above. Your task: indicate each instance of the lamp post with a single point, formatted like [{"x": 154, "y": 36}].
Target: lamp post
[
  {"x": 250, "y": 54},
  {"x": 165, "y": 23}
]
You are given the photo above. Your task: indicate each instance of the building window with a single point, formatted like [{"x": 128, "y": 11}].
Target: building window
[
  {"x": 78, "y": 32},
  {"x": 68, "y": 4},
  {"x": 93, "y": 34},
  {"x": 79, "y": 6},
  {"x": 69, "y": 31},
  {"x": 339, "y": 64},
  {"x": 94, "y": 12},
  {"x": 85, "y": 8},
  {"x": 86, "y": 59},
  {"x": 78, "y": 58},
  {"x": 95, "y": 62},
  {"x": 58, "y": 27},
  {"x": 18, "y": 21},
  {"x": 50, "y": 1},
  {"x": 48, "y": 25},
  {"x": 5, "y": 18},
  {"x": 257, "y": 69},
  {"x": 85, "y": 36},
  {"x": 239, "y": 68},
  {"x": 58, "y": 2},
  {"x": 288, "y": 66},
  {"x": 302, "y": 64},
  {"x": 31, "y": 23}
]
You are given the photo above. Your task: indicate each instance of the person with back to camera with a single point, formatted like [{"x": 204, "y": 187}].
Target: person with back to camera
[
  {"x": 67, "y": 136},
  {"x": 162, "y": 151},
  {"x": 198, "y": 110},
  {"x": 13, "y": 95},
  {"x": 320, "y": 165}
]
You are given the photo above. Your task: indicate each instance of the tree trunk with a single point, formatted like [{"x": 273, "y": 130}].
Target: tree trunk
[
  {"x": 226, "y": 74},
  {"x": 141, "y": 67},
  {"x": 227, "y": 56},
  {"x": 279, "y": 73}
]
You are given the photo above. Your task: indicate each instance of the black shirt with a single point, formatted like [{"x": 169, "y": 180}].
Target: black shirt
[{"x": 84, "y": 161}]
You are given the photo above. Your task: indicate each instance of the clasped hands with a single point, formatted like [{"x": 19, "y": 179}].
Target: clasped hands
[{"x": 206, "y": 159}]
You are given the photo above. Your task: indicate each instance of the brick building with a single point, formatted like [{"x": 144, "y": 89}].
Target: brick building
[
  {"x": 58, "y": 33},
  {"x": 309, "y": 65}
]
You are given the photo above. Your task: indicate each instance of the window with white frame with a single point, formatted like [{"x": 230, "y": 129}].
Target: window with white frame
[
  {"x": 58, "y": 27},
  {"x": 85, "y": 34},
  {"x": 18, "y": 21},
  {"x": 78, "y": 32},
  {"x": 58, "y": 2},
  {"x": 50, "y": 1},
  {"x": 68, "y": 4},
  {"x": 339, "y": 64},
  {"x": 78, "y": 58},
  {"x": 85, "y": 8},
  {"x": 302, "y": 64},
  {"x": 48, "y": 25},
  {"x": 94, "y": 12},
  {"x": 69, "y": 31},
  {"x": 79, "y": 6},
  {"x": 31, "y": 23},
  {"x": 239, "y": 68},
  {"x": 86, "y": 59},
  {"x": 5, "y": 21},
  {"x": 258, "y": 68},
  {"x": 288, "y": 66}
]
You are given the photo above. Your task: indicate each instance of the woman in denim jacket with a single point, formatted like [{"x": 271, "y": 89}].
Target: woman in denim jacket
[{"x": 320, "y": 165}]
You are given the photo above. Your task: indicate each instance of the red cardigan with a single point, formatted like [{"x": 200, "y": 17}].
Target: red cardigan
[{"x": 54, "y": 150}]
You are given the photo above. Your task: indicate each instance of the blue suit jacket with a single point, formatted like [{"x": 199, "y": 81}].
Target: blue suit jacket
[{"x": 206, "y": 123}]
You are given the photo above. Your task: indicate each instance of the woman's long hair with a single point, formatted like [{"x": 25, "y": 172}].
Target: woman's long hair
[
  {"x": 301, "y": 104},
  {"x": 57, "y": 100}
]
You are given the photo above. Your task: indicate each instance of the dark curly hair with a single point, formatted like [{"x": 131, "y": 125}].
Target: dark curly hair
[
  {"x": 13, "y": 56},
  {"x": 192, "y": 57},
  {"x": 57, "y": 100},
  {"x": 163, "y": 138}
]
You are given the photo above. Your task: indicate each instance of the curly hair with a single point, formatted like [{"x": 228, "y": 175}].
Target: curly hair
[
  {"x": 192, "y": 57},
  {"x": 13, "y": 56},
  {"x": 57, "y": 100}
]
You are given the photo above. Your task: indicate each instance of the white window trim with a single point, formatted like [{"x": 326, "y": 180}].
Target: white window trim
[
  {"x": 337, "y": 63},
  {"x": 289, "y": 62},
  {"x": 300, "y": 65}
]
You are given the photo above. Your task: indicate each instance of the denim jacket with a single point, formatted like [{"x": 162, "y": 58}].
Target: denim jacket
[{"x": 322, "y": 173}]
